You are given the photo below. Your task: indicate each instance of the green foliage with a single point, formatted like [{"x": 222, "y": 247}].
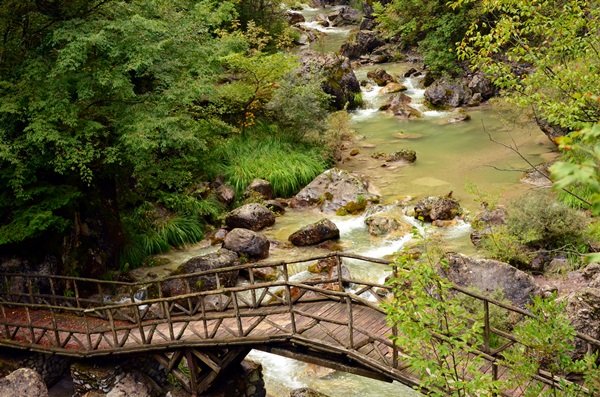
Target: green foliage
[
  {"x": 153, "y": 230},
  {"x": 434, "y": 330},
  {"x": 433, "y": 25},
  {"x": 579, "y": 168},
  {"x": 537, "y": 222},
  {"x": 442, "y": 333},
  {"x": 299, "y": 106},
  {"x": 115, "y": 109},
  {"x": 547, "y": 343},
  {"x": 287, "y": 164},
  {"x": 544, "y": 52}
]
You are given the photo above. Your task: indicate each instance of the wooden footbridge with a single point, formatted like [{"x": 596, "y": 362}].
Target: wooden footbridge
[{"x": 336, "y": 322}]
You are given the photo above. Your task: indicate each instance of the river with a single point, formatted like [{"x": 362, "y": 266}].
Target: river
[{"x": 451, "y": 157}]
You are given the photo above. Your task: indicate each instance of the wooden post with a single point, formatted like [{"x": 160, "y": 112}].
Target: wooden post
[
  {"x": 55, "y": 328},
  {"x": 136, "y": 313},
  {"x": 338, "y": 263},
  {"x": 288, "y": 293},
  {"x": 238, "y": 317},
  {"x": 350, "y": 322},
  {"x": 52, "y": 291},
  {"x": 112, "y": 327},
  {"x": 395, "y": 362},
  {"x": 253, "y": 290},
  {"x": 30, "y": 325},
  {"x": 193, "y": 367}
]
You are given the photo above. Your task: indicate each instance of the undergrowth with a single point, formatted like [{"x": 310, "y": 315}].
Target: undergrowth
[{"x": 286, "y": 164}]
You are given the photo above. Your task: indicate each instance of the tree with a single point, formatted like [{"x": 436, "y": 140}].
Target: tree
[{"x": 110, "y": 114}]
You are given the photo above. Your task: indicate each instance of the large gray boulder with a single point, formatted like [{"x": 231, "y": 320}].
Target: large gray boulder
[
  {"x": 479, "y": 84},
  {"x": 217, "y": 260},
  {"x": 364, "y": 43},
  {"x": 334, "y": 189},
  {"x": 315, "y": 233},
  {"x": 489, "y": 276},
  {"x": 339, "y": 79},
  {"x": 435, "y": 208},
  {"x": 250, "y": 216},
  {"x": 133, "y": 384},
  {"x": 448, "y": 93},
  {"x": 247, "y": 243},
  {"x": 23, "y": 382},
  {"x": 344, "y": 16}
]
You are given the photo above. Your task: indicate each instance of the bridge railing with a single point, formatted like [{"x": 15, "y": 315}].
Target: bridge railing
[{"x": 79, "y": 316}]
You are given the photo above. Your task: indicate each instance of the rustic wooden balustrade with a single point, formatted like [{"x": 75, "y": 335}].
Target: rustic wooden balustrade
[{"x": 82, "y": 317}]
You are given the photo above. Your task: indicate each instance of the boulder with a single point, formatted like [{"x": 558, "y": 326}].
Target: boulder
[
  {"x": 250, "y": 216},
  {"x": 247, "y": 243},
  {"x": 133, "y": 384},
  {"x": 23, "y": 382},
  {"x": 344, "y": 16},
  {"x": 315, "y": 233},
  {"x": 306, "y": 392},
  {"x": 399, "y": 107},
  {"x": 381, "y": 77},
  {"x": 225, "y": 194},
  {"x": 407, "y": 155},
  {"x": 276, "y": 206},
  {"x": 364, "y": 43},
  {"x": 334, "y": 189},
  {"x": 448, "y": 93},
  {"x": 437, "y": 208},
  {"x": 484, "y": 223},
  {"x": 391, "y": 88},
  {"x": 294, "y": 17},
  {"x": 217, "y": 260},
  {"x": 410, "y": 72},
  {"x": 339, "y": 79},
  {"x": 384, "y": 224},
  {"x": 261, "y": 188},
  {"x": 322, "y": 20},
  {"x": 583, "y": 309},
  {"x": 552, "y": 131},
  {"x": 489, "y": 276},
  {"x": 323, "y": 265},
  {"x": 479, "y": 84},
  {"x": 367, "y": 24},
  {"x": 459, "y": 116}
]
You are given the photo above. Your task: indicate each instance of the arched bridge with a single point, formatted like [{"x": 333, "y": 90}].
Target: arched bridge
[{"x": 337, "y": 321}]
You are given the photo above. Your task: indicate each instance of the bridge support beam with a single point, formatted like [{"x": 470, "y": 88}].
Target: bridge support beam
[{"x": 196, "y": 369}]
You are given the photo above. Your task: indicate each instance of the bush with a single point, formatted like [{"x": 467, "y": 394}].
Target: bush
[{"x": 537, "y": 222}]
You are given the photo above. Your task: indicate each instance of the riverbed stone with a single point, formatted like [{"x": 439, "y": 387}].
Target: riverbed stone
[
  {"x": 306, "y": 392},
  {"x": 247, "y": 243},
  {"x": 23, "y": 382},
  {"x": 251, "y": 216},
  {"x": 385, "y": 224},
  {"x": 315, "y": 233},
  {"x": 448, "y": 93},
  {"x": 225, "y": 194},
  {"x": 437, "y": 208},
  {"x": 391, "y": 88},
  {"x": 489, "y": 276},
  {"x": 334, "y": 189},
  {"x": 381, "y": 77},
  {"x": 399, "y": 106},
  {"x": 478, "y": 83},
  {"x": 261, "y": 188},
  {"x": 216, "y": 260},
  {"x": 133, "y": 384},
  {"x": 407, "y": 155}
]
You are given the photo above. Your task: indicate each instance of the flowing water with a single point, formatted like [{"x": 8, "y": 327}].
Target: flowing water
[{"x": 451, "y": 157}]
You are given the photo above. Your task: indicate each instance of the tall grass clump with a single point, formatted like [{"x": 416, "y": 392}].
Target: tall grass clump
[
  {"x": 288, "y": 165},
  {"x": 153, "y": 229}
]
